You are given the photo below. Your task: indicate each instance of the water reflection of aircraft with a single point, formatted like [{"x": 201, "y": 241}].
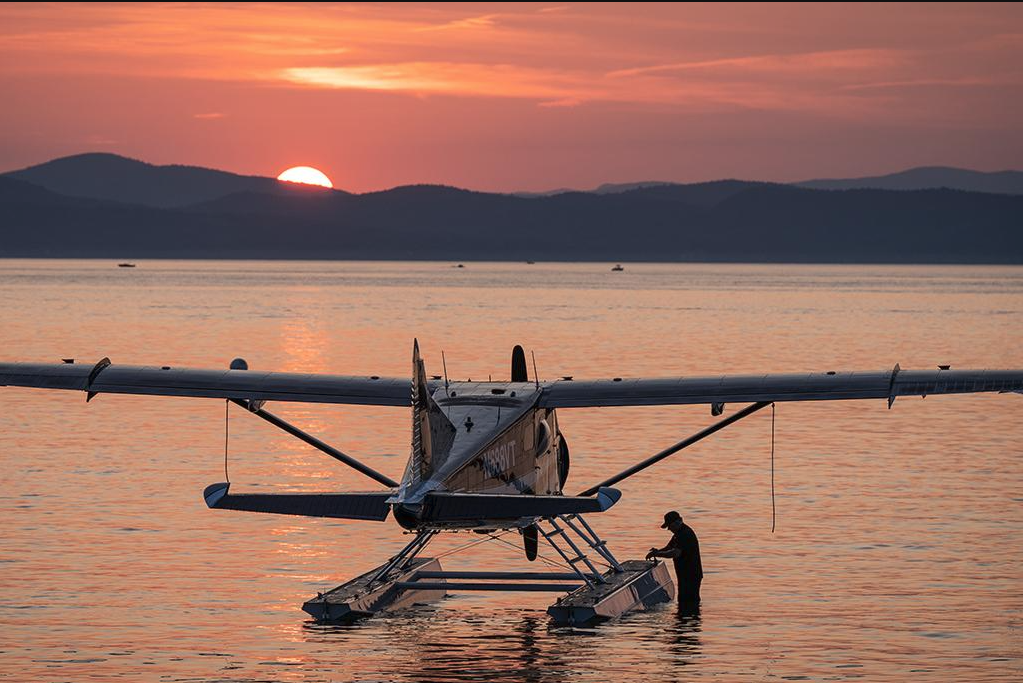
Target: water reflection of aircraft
[{"x": 489, "y": 456}]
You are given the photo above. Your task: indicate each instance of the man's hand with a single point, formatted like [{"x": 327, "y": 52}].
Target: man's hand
[{"x": 651, "y": 554}]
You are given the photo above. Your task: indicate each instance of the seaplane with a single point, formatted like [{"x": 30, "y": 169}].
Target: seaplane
[{"x": 489, "y": 457}]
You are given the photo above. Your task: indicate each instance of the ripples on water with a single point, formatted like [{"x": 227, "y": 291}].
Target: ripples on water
[{"x": 899, "y": 546}]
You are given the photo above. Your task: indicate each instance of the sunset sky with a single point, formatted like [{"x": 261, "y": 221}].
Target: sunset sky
[{"x": 517, "y": 97}]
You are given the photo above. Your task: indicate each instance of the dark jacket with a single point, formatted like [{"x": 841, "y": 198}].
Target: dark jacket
[{"x": 688, "y": 566}]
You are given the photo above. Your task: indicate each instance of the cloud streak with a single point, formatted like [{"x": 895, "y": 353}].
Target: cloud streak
[
  {"x": 481, "y": 80},
  {"x": 556, "y": 56}
]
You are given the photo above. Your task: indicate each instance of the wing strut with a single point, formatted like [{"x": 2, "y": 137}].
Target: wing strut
[
  {"x": 671, "y": 450},
  {"x": 255, "y": 407}
]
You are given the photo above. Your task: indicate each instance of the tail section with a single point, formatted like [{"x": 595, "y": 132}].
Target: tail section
[
  {"x": 432, "y": 432},
  {"x": 418, "y": 464}
]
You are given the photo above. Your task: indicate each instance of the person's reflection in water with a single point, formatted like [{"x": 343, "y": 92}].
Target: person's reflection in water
[{"x": 683, "y": 634}]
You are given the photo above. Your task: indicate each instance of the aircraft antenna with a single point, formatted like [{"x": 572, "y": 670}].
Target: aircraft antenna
[
  {"x": 536, "y": 377},
  {"x": 444, "y": 362}
]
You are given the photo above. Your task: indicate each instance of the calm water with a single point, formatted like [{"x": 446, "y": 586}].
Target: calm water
[{"x": 898, "y": 553}]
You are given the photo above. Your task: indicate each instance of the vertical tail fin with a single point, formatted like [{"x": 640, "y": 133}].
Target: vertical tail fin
[
  {"x": 432, "y": 432},
  {"x": 419, "y": 462}
]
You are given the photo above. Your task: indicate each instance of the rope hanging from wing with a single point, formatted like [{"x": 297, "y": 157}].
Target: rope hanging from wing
[
  {"x": 773, "y": 513},
  {"x": 227, "y": 422}
]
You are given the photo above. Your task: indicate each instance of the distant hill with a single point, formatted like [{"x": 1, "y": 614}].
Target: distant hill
[
  {"x": 614, "y": 188},
  {"x": 117, "y": 178},
  {"x": 606, "y": 188},
  {"x": 923, "y": 178},
  {"x": 719, "y": 221},
  {"x": 929, "y": 177},
  {"x": 706, "y": 195},
  {"x": 545, "y": 193}
]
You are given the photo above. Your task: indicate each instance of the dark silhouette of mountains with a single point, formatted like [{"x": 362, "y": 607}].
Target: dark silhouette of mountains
[
  {"x": 614, "y": 188},
  {"x": 929, "y": 177},
  {"x": 922, "y": 178},
  {"x": 606, "y": 188},
  {"x": 728, "y": 220},
  {"x": 117, "y": 178}
]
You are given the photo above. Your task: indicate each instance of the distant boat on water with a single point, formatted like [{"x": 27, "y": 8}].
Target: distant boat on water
[
  {"x": 618, "y": 267},
  {"x": 125, "y": 265}
]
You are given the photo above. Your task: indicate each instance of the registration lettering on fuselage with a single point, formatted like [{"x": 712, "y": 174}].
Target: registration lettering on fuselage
[{"x": 500, "y": 458}]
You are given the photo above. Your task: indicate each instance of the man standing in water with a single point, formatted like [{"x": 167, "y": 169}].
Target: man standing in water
[{"x": 684, "y": 549}]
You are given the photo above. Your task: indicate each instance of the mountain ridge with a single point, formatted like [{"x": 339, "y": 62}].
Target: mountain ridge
[
  {"x": 767, "y": 223},
  {"x": 726, "y": 220},
  {"x": 928, "y": 177},
  {"x": 103, "y": 175},
  {"x": 113, "y": 177}
]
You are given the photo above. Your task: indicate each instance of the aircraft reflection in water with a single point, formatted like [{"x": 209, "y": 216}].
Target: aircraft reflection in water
[
  {"x": 489, "y": 456},
  {"x": 522, "y": 649}
]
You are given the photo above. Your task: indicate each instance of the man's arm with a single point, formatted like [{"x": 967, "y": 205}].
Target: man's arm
[{"x": 668, "y": 551}]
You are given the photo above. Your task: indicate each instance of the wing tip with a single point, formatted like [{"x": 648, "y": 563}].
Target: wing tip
[
  {"x": 607, "y": 497},
  {"x": 214, "y": 493}
]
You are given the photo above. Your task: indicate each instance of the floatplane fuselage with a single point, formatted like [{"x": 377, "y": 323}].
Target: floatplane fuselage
[
  {"x": 479, "y": 438},
  {"x": 484, "y": 456}
]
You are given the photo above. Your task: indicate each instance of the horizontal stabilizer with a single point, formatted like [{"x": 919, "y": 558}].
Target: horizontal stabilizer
[
  {"x": 442, "y": 507},
  {"x": 369, "y": 506}
]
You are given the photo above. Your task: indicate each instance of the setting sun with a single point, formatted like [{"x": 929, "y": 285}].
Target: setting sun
[{"x": 305, "y": 175}]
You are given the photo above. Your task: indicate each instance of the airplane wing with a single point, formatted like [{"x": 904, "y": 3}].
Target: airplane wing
[
  {"x": 103, "y": 377},
  {"x": 820, "y": 386},
  {"x": 388, "y": 391}
]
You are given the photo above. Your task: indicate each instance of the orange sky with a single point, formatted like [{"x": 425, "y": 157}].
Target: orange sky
[{"x": 517, "y": 97}]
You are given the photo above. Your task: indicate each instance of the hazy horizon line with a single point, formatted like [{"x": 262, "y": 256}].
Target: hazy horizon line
[{"x": 555, "y": 190}]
